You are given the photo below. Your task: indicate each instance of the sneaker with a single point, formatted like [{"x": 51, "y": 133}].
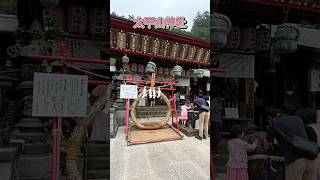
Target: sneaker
[
  {"x": 204, "y": 137},
  {"x": 198, "y": 137}
]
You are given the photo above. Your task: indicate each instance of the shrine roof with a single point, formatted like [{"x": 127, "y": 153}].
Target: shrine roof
[{"x": 125, "y": 24}]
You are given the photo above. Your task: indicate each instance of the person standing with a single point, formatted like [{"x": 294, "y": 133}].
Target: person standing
[
  {"x": 297, "y": 166},
  {"x": 237, "y": 165},
  {"x": 184, "y": 113},
  {"x": 216, "y": 122},
  {"x": 201, "y": 106}
]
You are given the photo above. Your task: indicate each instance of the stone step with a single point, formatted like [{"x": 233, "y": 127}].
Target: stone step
[
  {"x": 98, "y": 163},
  {"x": 95, "y": 174},
  {"x": 95, "y": 149}
]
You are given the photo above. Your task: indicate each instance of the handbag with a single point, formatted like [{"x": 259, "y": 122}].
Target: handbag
[{"x": 301, "y": 146}]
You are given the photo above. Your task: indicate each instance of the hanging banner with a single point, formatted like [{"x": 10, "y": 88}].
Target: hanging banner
[{"x": 235, "y": 65}]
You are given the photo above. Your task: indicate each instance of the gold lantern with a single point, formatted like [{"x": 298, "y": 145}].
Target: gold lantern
[
  {"x": 156, "y": 46},
  {"x": 184, "y": 51},
  {"x": 133, "y": 45},
  {"x": 145, "y": 44},
  {"x": 174, "y": 50},
  {"x": 199, "y": 54},
  {"x": 207, "y": 56},
  {"x": 191, "y": 53},
  {"x": 121, "y": 40}
]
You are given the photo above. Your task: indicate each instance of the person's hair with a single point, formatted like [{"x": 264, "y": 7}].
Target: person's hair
[
  {"x": 272, "y": 111},
  {"x": 236, "y": 131}
]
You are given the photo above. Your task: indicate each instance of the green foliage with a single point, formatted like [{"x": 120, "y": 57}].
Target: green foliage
[{"x": 201, "y": 26}]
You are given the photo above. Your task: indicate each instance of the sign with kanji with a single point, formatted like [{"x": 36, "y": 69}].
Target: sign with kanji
[
  {"x": 160, "y": 23},
  {"x": 59, "y": 95},
  {"x": 128, "y": 91}
]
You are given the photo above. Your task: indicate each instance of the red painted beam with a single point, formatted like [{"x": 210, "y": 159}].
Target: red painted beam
[
  {"x": 284, "y": 5},
  {"x": 69, "y": 59},
  {"x": 97, "y": 82},
  {"x": 118, "y": 24},
  {"x": 217, "y": 70},
  {"x": 159, "y": 57}
]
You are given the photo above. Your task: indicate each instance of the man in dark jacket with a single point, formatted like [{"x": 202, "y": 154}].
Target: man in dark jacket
[{"x": 297, "y": 167}]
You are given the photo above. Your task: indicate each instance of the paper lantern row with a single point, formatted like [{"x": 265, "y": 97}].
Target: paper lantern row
[
  {"x": 147, "y": 44},
  {"x": 79, "y": 19}
]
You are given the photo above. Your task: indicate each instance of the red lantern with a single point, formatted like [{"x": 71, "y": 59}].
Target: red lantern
[
  {"x": 98, "y": 22},
  {"x": 263, "y": 41},
  {"x": 77, "y": 19},
  {"x": 234, "y": 38},
  {"x": 54, "y": 16},
  {"x": 248, "y": 38}
]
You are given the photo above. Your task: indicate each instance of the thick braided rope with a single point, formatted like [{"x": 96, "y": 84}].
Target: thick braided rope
[{"x": 265, "y": 157}]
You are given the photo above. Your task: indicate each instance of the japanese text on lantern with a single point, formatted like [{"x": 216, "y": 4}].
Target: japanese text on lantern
[{"x": 160, "y": 23}]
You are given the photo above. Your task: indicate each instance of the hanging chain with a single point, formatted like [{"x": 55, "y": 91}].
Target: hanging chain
[{"x": 286, "y": 14}]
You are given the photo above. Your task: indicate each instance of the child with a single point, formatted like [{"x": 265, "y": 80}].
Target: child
[
  {"x": 184, "y": 113},
  {"x": 237, "y": 166}
]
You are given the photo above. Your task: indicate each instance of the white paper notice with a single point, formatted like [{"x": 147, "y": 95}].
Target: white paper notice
[
  {"x": 59, "y": 95},
  {"x": 128, "y": 91}
]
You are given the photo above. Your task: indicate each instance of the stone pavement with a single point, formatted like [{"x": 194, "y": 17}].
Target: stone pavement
[{"x": 186, "y": 159}]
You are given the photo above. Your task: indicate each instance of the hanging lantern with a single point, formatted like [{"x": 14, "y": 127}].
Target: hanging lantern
[
  {"x": 98, "y": 22},
  {"x": 125, "y": 59},
  {"x": 77, "y": 19},
  {"x": 198, "y": 73},
  {"x": 220, "y": 26},
  {"x": 177, "y": 71},
  {"x": 286, "y": 38},
  {"x": 151, "y": 67},
  {"x": 49, "y": 4}
]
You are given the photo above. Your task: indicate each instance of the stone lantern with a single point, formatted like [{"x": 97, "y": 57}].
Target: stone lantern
[
  {"x": 151, "y": 67},
  {"x": 286, "y": 38},
  {"x": 177, "y": 71},
  {"x": 198, "y": 73},
  {"x": 220, "y": 26}
]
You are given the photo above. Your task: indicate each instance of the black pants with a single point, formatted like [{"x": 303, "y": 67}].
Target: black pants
[
  {"x": 215, "y": 135},
  {"x": 194, "y": 118}
]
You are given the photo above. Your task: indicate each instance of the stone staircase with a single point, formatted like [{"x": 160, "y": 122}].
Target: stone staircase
[{"x": 98, "y": 161}]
